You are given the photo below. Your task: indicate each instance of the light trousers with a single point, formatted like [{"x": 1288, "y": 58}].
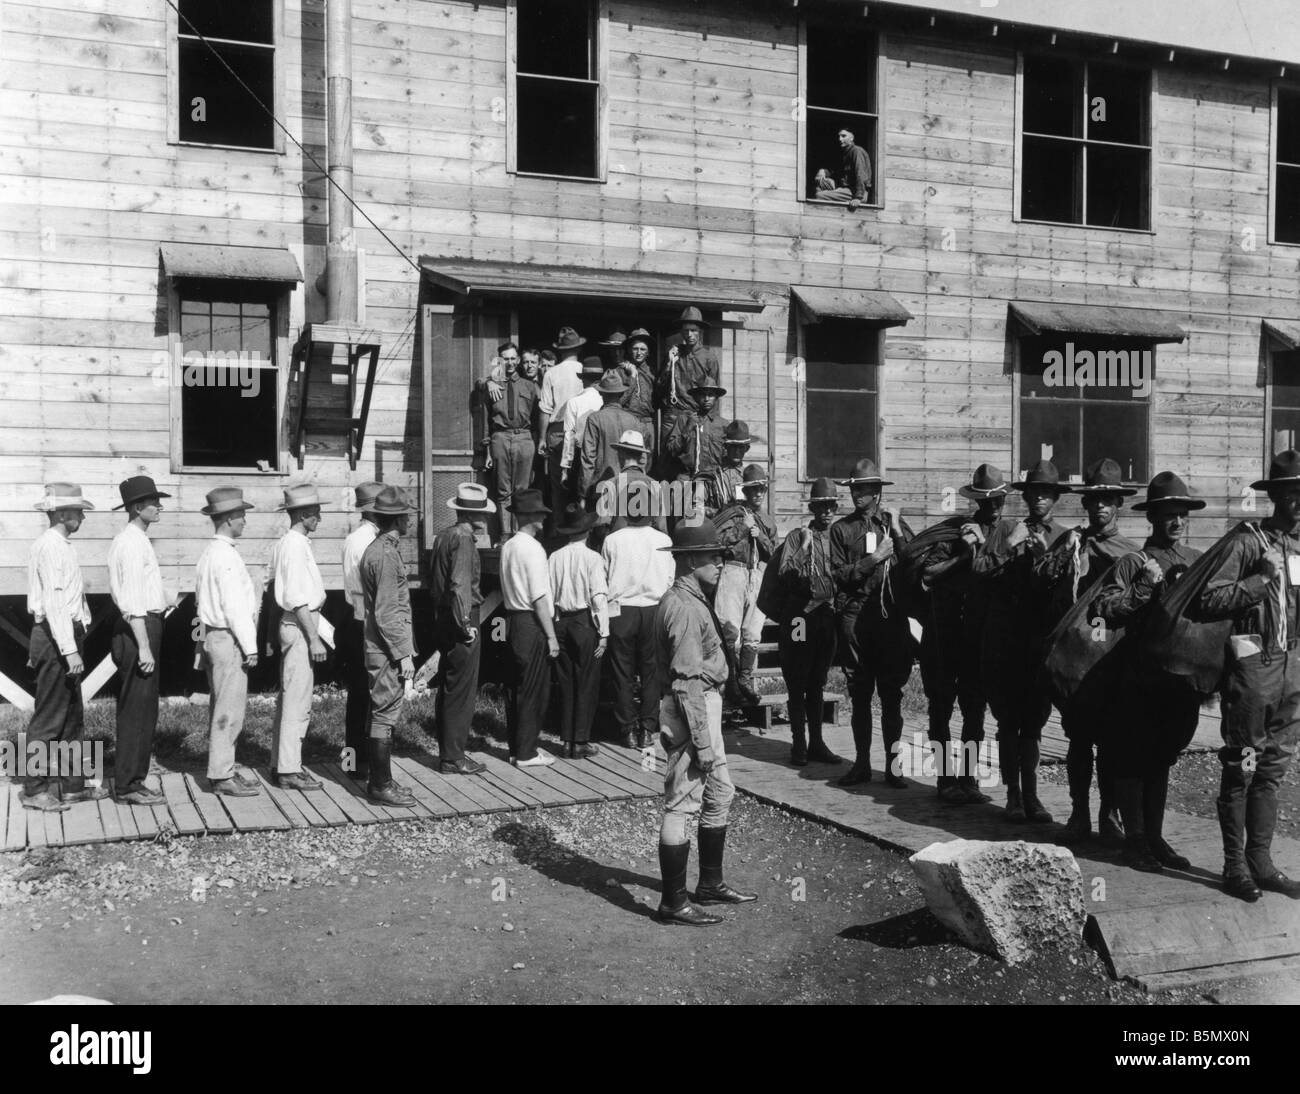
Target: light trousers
[{"x": 223, "y": 662}]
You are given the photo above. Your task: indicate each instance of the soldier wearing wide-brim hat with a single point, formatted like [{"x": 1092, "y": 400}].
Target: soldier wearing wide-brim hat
[
  {"x": 1012, "y": 633},
  {"x": 641, "y": 372},
  {"x": 693, "y": 665},
  {"x": 691, "y": 363},
  {"x": 695, "y": 442},
  {"x": 1158, "y": 717},
  {"x": 598, "y": 457},
  {"x": 722, "y": 487},
  {"x": 1257, "y": 585}
]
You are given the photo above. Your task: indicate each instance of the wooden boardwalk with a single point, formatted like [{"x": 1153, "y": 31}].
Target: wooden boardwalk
[{"x": 191, "y": 809}]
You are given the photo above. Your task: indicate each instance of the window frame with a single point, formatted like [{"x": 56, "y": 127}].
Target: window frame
[
  {"x": 277, "y": 146},
  {"x": 1275, "y": 90},
  {"x": 1153, "y": 97},
  {"x": 1271, "y": 349},
  {"x": 280, "y": 306},
  {"x": 801, "y": 128},
  {"x": 801, "y": 396},
  {"x": 601, "y": 50}
]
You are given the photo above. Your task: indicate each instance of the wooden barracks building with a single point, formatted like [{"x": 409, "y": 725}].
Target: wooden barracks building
[{"x": 183, "y": 293}]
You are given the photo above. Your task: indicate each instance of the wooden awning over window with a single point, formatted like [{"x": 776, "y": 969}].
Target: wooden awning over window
[
  {"x": 1154, "y": 326},
  {"x": 867, "y": 305},
  {"x": 477, "y": 278},
  {"x": 233, "y": 263},
  {"x": 1285, "y": 332}
]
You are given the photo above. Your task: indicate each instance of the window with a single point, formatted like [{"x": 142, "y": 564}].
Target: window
[
  {"x": 1085, "y": 144},
  {"x": 1286, "y": 175},
  {"x": 1284, "y": 421},
  {"x": 1083, "y": 398},
  {"x": 227, "y": 377},
  {"x": 839, "y": 81},
  {"x": 841, "y": 363},
  {"x": 225, "y": 65},
  {"x": 557, "y": 98}
]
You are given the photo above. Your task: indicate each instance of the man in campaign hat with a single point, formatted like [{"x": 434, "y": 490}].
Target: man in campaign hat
[
  {"x": 691, "y": 365},
  {"x": 350, "y": 643},
  {"x": 227, "y": 610},
  {"x": 135, "y": 582},
  {"x": 1257, "y": 585},
  {"x": 642, "y": 381},
  {"x": 299, "y": 595},
  {"x": 695, "y": 442},
  {"x": 722, "y": 485},
  {"x": 456, "y": 593},
  {"x": 1012, "y": 634},
  {"x": 602, "y": 432},
  {"x": 56, "y": 600},
  {"x": 693, "y": 669}
]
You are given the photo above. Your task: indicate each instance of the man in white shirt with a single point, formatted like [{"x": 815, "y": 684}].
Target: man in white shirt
[
  {"x": 563, "y": 380},
  {"x": 526, "y": 596},
  {"x": 136, "y": 585},
  {"x": 576, "y": 412},
  {"x": 638, "y": 572},
  {"x": 581, "y": 628},
  {"x": 227, "y": 608},
  {"x": 351, "y": 643},
  {"x": 299, "y": 593},
  {"x": 56, "y": 599}
]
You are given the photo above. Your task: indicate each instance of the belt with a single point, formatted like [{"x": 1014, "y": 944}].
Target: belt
[
  {"x": 509, "y": 429},
  {"x": 576, "y": 611}
]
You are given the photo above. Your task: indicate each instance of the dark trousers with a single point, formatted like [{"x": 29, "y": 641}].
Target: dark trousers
[
  {"x": 877, "y": 658},
  {"x": 352, "y": 651},
  {"x": 530, "y": 694},
  {"x": 457, "y": 692},
  {"x": 950, "y": 674},
  {"x": 512, "y": 451},
  {"x": 1009, "y": 662},
  {"x": 1088, "y": 725},
  {"x": 59, "y": 712},
  {"x": 554, "y": 473},
  {"x": 807, "y": 649},
  {"x": 137, "y": 703},
  {"x": 577, "y": 674},
  {"x": 632, "y": 652}
]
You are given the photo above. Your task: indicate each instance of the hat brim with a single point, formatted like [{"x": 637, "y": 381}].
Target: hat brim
[
  {"x": 1122, "y": 491},
  {"x": 1264, "y": 484},
  {"x": 613, "y": 390},
  {"x": 864, "y": 482},
  {"x": 221, "y": 510},
  {"x": 704, "y": 323},
  {"x": 587, "y": 523},
  {"x": 141, "y": 497},
  {"x": 700, "y": 549},
  {"x": 753, "y": 482},
  {"x": 489, "y": 506},
  {"x": 976, "y": 493},
  {"x": 737, "y": 441},
  {"x": 630, "y": 448},
  {"x": 79, "y": 503},
  {"x": 565, "y": 349},
  {"x": 708, "y": 389},
  {"x": 282, "y": 508},
  {"x": 1175, "y": 499}
]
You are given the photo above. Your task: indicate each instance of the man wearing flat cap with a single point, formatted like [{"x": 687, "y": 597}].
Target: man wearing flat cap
[
  {"x": 227, "y": 609},
  {"x": 603, "y": 430},
  {"x": 56, "y": 599},
  {"x": 137, "y": 589},
  {"x": 299, "y": 594},
  {"x": 351, "y": 641}
]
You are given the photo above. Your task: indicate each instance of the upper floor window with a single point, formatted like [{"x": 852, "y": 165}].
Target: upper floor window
[
  {"x": 225, "y": 68},
  {"x": 1286, "y": 167},
  {"x": 1085, "y": 143},
  {"x": 839, "y": 120},
  {"x": 557, "y": 92},
  {"x": 841, "y": 391},
  {"x": 1284, "y": 381}
]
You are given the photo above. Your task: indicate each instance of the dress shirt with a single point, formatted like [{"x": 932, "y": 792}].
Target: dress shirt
[
  {"x": 1238, "y": 590},
  {"x": 691, "y": 657},
  {"x": 387, "y": 598},
  {"x": 133, "y": 575},
  {"x": 225, "y": 593},
  {"x": 637, "y": 572},
  {"x": 361, "y": 537},
  {"x": 524, "y": 576},
  {"x": 297, "y": 578},
  {"x": 518, "y": 406},
  {"x": 55, "y": 593},
  {"x": 576, "y": 412},
  {"x": 858, "y": 579},
  {"x": 577, "y": 576},
  {"x": 562, "y": 382}
]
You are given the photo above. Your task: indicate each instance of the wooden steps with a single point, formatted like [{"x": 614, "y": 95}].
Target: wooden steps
[{"x": 762, "y": 715}]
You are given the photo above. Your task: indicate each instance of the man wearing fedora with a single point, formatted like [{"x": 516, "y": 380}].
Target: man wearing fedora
[
  {"x": 1013, "y": 632},
  {"x": 227, "y": 609},
  {"x": 1159, "y": 717},
  {"x": 576, "y": 413},
  {"x": 512, "y": 430},
  {"x": 693, "y": 669},
  {"x": 351, "y": 641},
  {"x": 642, "y": 383},
  {"x": 581, "y": 596},
  {"x": 299, "y": 594},
  {"x": 604, "y": 429},
  {"x": 56, "y": 599},
  {"x": 526, "y": 597},
  {"x": 1257, "y": 585},
  {"x": 750, "y": 535},
  {"x": 390, "y": 643},
  {"x": 630, "y": 492},
  {"x": 1078, "y": 560},
  {"x": 695, "y": 442},
  {"x": 722, "y": 486},
  {"x": 456, "y": 593},
  {"x": 563, "y": 380},
  {"x": 135, "y": 582},
  {"x": 637, "y": 575},
  {"x": 804, "y": 592},
  {"x": 875, "y": 641},
  {"x": 950, "y": 670},
  {"x": 691, "y": 365}
]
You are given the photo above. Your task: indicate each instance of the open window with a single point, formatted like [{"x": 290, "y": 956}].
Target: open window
[
  {"x": 1286, "y": 164},
  {"x": 225, "y": 66},
  {"x": 839, "y": 90},
  {"x": 1085, "y": 143},
  {"x": 556, "y": 100},
  {"x": 841, "y": 396}
]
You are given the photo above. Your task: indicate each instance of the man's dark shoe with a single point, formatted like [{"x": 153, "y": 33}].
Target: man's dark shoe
[
  {"x": 1278, "y": 882},
  {"x": 687, "y": 914},
  {"x": 952, "y": 794},
  {"x": 233, "y": 787},
  {"x": 297, "y": 780},
  {"x": 1110, "y": 831},
  {"x": 895, "y": 781},
  {"x": 818, "y": 753},
  {"x": 642, "y": 738},
  {"x": 464, "y": 766},
  {"x": 1240, "y": 884},
  {"x": 1035, "y": 811},
  {"x": 1015, "y": 806},
  {"x": 798, "y": 754},
  {"x": 969, "y": 788},
  {"x": 1137, "y": 856},
  {"x": 1079, "y": 827},
  {"x": 87, "y": 794},
  {"x": 44, "y": 801},
  {"x": 392, "y": 794},
  {"x": 247, "y": 780},
  {"x": 860, "y": 772},
  {"x": 722, "y": 893},
  {"x": 140, "y": 797},
  {"x": 1167, "y": 856},
  {"x": 583, "y": 750},
  {"x": 628, "y": 738}
]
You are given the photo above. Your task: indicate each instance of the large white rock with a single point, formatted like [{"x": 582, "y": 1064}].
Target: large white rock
[{"x": 1009, "y": 899}]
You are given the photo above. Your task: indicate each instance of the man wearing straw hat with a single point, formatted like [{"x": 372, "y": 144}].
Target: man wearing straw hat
[
  {"x": 351, "y": 641},
  {"x": 299, "y": 593},
  {"x": 227, "y": 608},
  {"x": 57, "y": 601},
  {"x": 390, "y": 643},
  {"x": 137, "y": 589},
  {"x": 454, "y": 575},
  {"x": 630, "y": 493},
  {"x": 605, "y": 427}
]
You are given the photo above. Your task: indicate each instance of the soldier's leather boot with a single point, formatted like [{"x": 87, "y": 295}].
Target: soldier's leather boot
[
  {"x": 674, "y": 907},
  {"x": 1035, "y": 813},
  {"x": 1155, "y": 793},
  {"x": 380, "y": 788},
  {"x": 799, "y": 745},
  {"x": 817, "y": 750},
  {"x": 968, "y": 786},
  {"x": 745, "y": 676},
  {"x": 1231, "y": 805},
  {"x": 711, "y": 888},
  {"x": 1078, "y": 769}
]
